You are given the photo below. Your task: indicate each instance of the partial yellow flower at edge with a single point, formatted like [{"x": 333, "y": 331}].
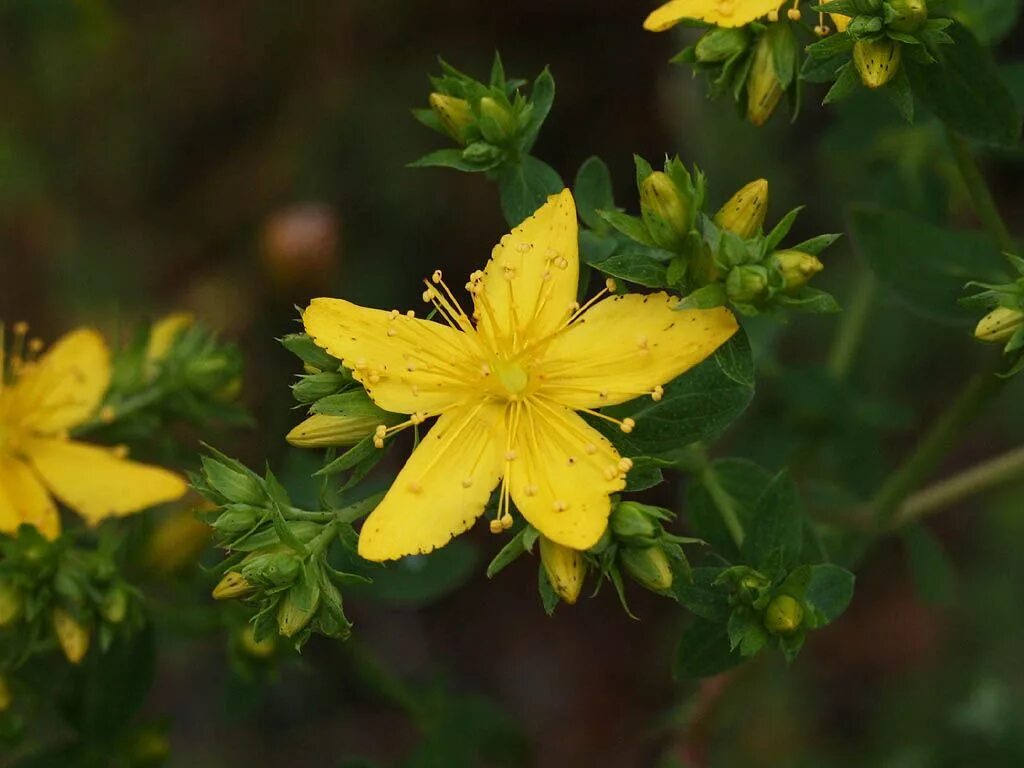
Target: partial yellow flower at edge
[
  {"x": 722, "y": 13},
  {"x": 506, "y": 381},
  {"x": 164, "y": 332},
  {"x": 41, "y": 400}
]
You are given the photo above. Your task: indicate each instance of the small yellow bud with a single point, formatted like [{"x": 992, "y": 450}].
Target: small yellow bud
[
  {"x": 665, "y": 211},
  {"x": 322, "y": 431},
  {"x": 257, "y": 649},
  {"x": 910, "y": 15},
  {"x": 10, "y": 604},
  {"x": 454, "y": 113},
  {"x": 72, "y": 636},
  {"x": 796, "y": 267},
  {"x": 877, "y": 62},
  {"x": 783, "y": 615},
  {"x": 500, "y": 115},
  {"x": 297, "y": 609},
  {"x": 232, "y": 585},
  {"x": 999, "y": 325},
  {"x": 764, "y": 89},
  {"x": 841, "y": 22},
  {"x": 744, "y": 212},
  {"x": 164, "y": 333},
  {"x": 178, "y": 540},
  {"x": 565, "y": 569},
  {"x": 649, "y": 566},
  {"x": 5, "y": 695},
  {"x": 115, "y": 606}
]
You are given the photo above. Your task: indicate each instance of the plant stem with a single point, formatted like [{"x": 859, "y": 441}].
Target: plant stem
[
  {"x": 988, "y": 474},
  {"x": 935, "y": 444},
  {"x": 724, "y": 503},
  {"x": 851, "y": 326},
  {"x": 981, "y": 197}
]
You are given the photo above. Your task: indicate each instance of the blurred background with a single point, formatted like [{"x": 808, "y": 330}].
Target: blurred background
[{"x": 235, "y": 159}]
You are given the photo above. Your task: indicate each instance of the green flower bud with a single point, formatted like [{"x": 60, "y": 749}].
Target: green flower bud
[
  {"x": 999, "y": 325},
  {"x": 648, "y": 566},
  {"x": 115, "y": 606},
  {"x": 783, "y": 615},
  {"x": 746, "y": 283},
  {"x": 565, "y": 569},
  {"x": 910, "y": 15},
  {"x": 256, "y": 649},
  {"x": 764, "y": 89},
  {"x": 72, "y": 635},
  {"x": 633, "y": 525},
  {"x": 277, "y": 567},
  {"x": 481, "y": 152},
  {"x": 303, "y": 347},
  {"x": 501, "y": 116},
  {"x": 314, "y": 386},
  {"x": 232, "y": 585},
  {"x": 237, "y": 518},
  {"x": 164, "y": 333},
  {"x": 232, "y": 481},
  {"x": 796, "y": 268},
  {"x": 10, "y": 604},
  {"x": 665, "y": 210},
  {"x": 454, "y": 113},
  {"x": 877, "y": 62},
  {"x": 743, "y": 214},
  {"x": 322, "y": 431},
  {"x": 721, "y": 44},
  {"x": 298, "y": 607}
]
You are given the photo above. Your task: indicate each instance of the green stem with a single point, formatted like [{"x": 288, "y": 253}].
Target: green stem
[
  {"x": 851, "y": 326},
  {"x": 724, "y": 503},
  {"x": 933, "y": 447},
  {"x": 982, "y": 477},
  {"x": 981, "y": 197},
  {"x": 126, "y": 407}
]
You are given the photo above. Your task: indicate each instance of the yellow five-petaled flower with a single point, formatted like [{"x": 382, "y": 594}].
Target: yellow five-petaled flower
[
  {"x": 506, "y": 382},
  {"x": 40, "y": 401},
  {"x": 722, "y": 13}
]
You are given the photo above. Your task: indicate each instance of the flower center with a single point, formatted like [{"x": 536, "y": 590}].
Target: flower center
[{"x": 513, "y": 377}]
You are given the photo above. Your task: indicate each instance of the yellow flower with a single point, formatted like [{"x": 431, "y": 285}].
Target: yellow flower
[
  {"x": 165, "y": 332},
  {"x": 723, "y": 13},
  {"x": 40, "y": 401},
  {"x": 506, "y": 383}
]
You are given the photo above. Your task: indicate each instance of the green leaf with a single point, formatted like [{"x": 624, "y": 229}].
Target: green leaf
[
  {"x": 703, "y": 597},
  {"x": 696, "y": 406},
  {"x": 416, "y": 580},
  {"x": 542, "y": 96},
  {"x": 593, "y": 192},
  {"x": 631, "y": 226},
  {"x": 810, "y": 301},
  {"x": 990, "y": 20},
  {"x": 744, "y": 482},
  {"x": 965, "y": 90},
  {"x": 829, "y": 591},
  {"x": 645, "y": 473},
  {"x": 780, "y": 230},
  {"x": 634, "y": 266},
  {"x": 924, "y": 265},
  {"x": 777, "y": 530},
  {"x": 509, "y": 553},
  {"x": 847, "y": 81},
  {"x": 524, "y": 187},
  {"x": 704, "y": 651},
  {"x": 933, "y": 573},
  {"x": 746, "y": 633},
  {"x": 706, "y": 297},
  {"x": 453, "y": 158}
]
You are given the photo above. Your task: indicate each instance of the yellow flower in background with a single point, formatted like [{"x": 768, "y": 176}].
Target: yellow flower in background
[
  {"x": 722, "y": 13},
  {"x": 41, "y": 400},
  {"x": 506, "y": 383},
  {"x": 165, "y": 332}
]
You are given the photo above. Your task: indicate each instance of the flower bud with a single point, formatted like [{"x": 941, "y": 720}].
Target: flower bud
[
  {"x": 743, "y": 214},
  {"x": 796, "y": 268},
  {"x": 633, "y": 525},
  {"x": 257, "y": 649},
  {"x": 303, "y": 347},
  {"x": 177, "y": 541},
  {"x": 454, "y": 113},
  {"x": 665, "y": 210},
  {"x": 764, "y": 89},
  {"x": 298, "y": 607},
  {"x": 481, "y": 152},
  {"x": 322, "y": 431},
  {"x": 115, "y": 606},
  {"x": 232, "y": 585},
  {"x": 565, "y": 569},
  {"x": 999, "y": 325},
  {"x": 783, "y": 615},
  {"x": 311, "y": 388},
  {"x": 276, "y": 567},
  {"x": 165, "y": 332},
  {"x": 841, "y": 21},
  {"x": 232, "y": 481},
  {"x": 910, "y": 15},
  {"x": 877, "y": 62},
  {"x": 10, "y": 604},
  {"x": 746, "y": 283},
  {"x": 649, "y": 566},
  {"x": 71, "y": 634},
  {"x": 5, "y": 695},
  {"x": 721, "y": 44},
  {"x": 238, "y": 518},
  {"x": 501, "y": 116}
]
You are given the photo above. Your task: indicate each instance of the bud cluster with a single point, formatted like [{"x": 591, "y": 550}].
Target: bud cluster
[{"x": 1004, "y": 321}]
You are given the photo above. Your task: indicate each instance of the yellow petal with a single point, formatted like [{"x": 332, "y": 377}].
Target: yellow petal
[
  {"x": 407, "y": 365},
  {"x": 64, "y": 387},
  {"x": 442, "y": 489},
  {"x": 164, "y": 333},
  {"x": 97, "y": 484},
  {"x": 625, "y": 346},
  {"x": 723, "y": 13},
  {"x": 562, "y": 475},
  {"x": 23, "y": 499},
  {"x": 530, "y": 282}
]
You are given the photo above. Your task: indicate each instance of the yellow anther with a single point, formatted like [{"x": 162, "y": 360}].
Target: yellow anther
[
  {"x": 627, "y": 425},
  {"x": 560, "y": 506},
  {"x": 395, "y": 314},
  {"x": 524, "y": 247},
  {"x": 361, "y": 364},
  {"x": 428, "y": 295},
  {"x": 485, "y": 370},
  {"x": 378, "y": 442},
  {"x": 510, "y": 455},
  {"x": 546, "y": 276},
  {"x": 120, "y": 451},
  {"x": 506, "y": 521},
  {"x": 107, "y": 414},
  {"x": 531, "y": 490},
  {"x": 20, "y": 328},
  {"x": 410, "y": 367},
  {"x": 415, "y": 486},
  {"x": 773, "y": 16},
  {"x": 381, "y": 430},
  {"x": 35, "y": 345},
  {"x": 562, "y": 263},
  {"x": 436, "y": 277},
  {"x": 658, "y": 393},
  {"x": 415, "y": 390},
  {"x": 496, "y": 526},
  {"x": 418, "y": 418},
  {"x": 611, "y": 285},
  {"x": 374, "y": 377},
  {"x": 603, "y": 394},
  {"x": 821, "y": 30},
  {"x": 591, "y": 449},
  {"x": 467, "y": 482},
  {"x": 625, "y": 465},
  {"x": 392, "y": 331},
  {"x": 510, "y": 272},
  {"x": 611, "y": 472},
  {"x": 793, "y": 14},
  {"x": 411, "y": 313},
  {"x": 641, "y": 341}
]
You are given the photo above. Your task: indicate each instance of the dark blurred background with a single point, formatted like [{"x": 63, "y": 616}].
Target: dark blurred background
[{"x": 235, "y": 159}]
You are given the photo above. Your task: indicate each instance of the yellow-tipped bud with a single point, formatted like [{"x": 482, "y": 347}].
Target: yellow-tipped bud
[
  {"x": 178, "y": 540},
  {"x": 257, "y": 649},
  {"x": 746, "y": 283},
  {"x": 649, "y": 566},
  {"x": 783, "y": 615},
  {"x": 454, "y": 113},
  {"x": 164, "y": 333},
  {"x": 115, "y": 606},
  {"x": 841, "y": 22},
  {"x": 796, "y": 267},
  {"x": 665, "y": 211},
  {"x": 764, "y": 89},
  {"x": 565, "y": 569},
  {"x": 297, "y": 609},
  {"x": 501, "y": 115},
  {"x": 744, "y": 212},
  {"x": 232, "y": 585},
  {"x": 877, "y": 62},
  {"x": 5, "y": 694},
  {"x": 71, "y": 634},
  {"x": 999, "y": 325},
  {"x": 910, "y": 15},
  {"x": 322, "y": 431},
  {"x": 10, "y": 604}
]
